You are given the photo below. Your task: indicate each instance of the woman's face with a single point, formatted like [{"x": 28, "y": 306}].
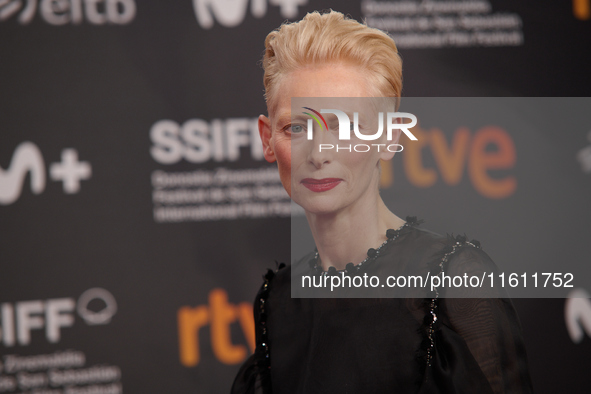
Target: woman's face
[{"x": 321, "y": 181}]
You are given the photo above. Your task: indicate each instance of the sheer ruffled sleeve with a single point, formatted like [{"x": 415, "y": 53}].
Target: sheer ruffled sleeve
[
  {"x": 247, "y": 380},
  {"x": 476, "y": 338}
]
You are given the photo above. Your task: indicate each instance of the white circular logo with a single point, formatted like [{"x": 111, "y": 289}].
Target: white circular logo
[{"x": 101, "y": 317}]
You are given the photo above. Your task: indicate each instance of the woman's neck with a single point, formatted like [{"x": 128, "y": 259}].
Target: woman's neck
[{"x": 345, "y": 236}]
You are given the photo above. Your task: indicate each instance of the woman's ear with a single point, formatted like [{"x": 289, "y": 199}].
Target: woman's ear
[
  {"x": 387, "y": 155},
  {"x": 266, "y": 133}
]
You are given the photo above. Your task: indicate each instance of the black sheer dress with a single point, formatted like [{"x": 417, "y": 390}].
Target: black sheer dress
[{"x": 425, "y": 344}]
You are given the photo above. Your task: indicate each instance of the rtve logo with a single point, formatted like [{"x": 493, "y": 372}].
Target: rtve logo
[
  {"x": 220, "y": 315},
  {"x": 96, "y": 12},
  {"x": 582, "y": 9},
  {"x": 475, "y": 154}
]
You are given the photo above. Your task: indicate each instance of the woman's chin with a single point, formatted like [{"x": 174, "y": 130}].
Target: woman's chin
[{"x": 319, "y": 206}]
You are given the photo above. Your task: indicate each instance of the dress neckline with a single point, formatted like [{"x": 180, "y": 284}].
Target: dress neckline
[{"x": 372, "y": 253}]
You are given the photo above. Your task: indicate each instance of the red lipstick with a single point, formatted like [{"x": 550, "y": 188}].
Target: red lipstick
[{"x": 321, "y": 185}]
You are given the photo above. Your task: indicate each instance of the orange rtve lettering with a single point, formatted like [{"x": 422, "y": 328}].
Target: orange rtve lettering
[
  {"x": 190, "y": 320},
  {"x": 244, "y": 310},
  {"x": 413, "y": 163},
  {"x": 582, "y": 9},
  {"x": 464, "y": 150},
  {"x": 451, "y": 162},
  {"x": 220, "y": 315},
  {"x": 481, "y": 161}
]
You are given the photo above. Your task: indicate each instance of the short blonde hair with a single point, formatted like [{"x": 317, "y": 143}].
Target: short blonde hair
[{"x": 331, "y": 37}]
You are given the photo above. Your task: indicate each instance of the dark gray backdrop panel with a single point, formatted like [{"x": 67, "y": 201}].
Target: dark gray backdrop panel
[{"x": 99, "y": 89}]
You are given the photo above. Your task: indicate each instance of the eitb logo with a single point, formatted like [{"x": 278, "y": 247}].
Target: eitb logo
[{"x": 346, "y": 126}]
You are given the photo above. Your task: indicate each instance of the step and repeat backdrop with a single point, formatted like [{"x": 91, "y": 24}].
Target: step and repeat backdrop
[{"x": 137, "y": 214}]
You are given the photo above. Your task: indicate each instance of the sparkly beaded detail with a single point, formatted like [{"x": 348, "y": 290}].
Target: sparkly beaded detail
[
  {"x": 263, "y": 360},
  {"x": 372, "y": 254},
  {"x": 431, "y": 318}
]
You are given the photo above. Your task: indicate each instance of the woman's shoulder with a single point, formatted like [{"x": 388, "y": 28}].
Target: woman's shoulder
[
  {"x": 420, "y": 251},
  {"x": 416, "y": 235},
  {"x": 454, "y": 257},
  {"x": 458, "y": 248}
]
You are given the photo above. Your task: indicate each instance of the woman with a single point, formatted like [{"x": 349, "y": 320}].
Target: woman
[{"x": 425, "y": 344}]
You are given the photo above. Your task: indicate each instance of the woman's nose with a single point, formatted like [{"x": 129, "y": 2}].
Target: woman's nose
[{"x": 322, "y": 147}]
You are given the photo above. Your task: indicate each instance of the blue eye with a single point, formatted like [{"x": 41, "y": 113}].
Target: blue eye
[{"x": 296, "y": 129}]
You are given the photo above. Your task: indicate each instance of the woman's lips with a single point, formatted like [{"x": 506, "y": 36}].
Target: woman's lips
[{"x": 321, "y": 185}]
